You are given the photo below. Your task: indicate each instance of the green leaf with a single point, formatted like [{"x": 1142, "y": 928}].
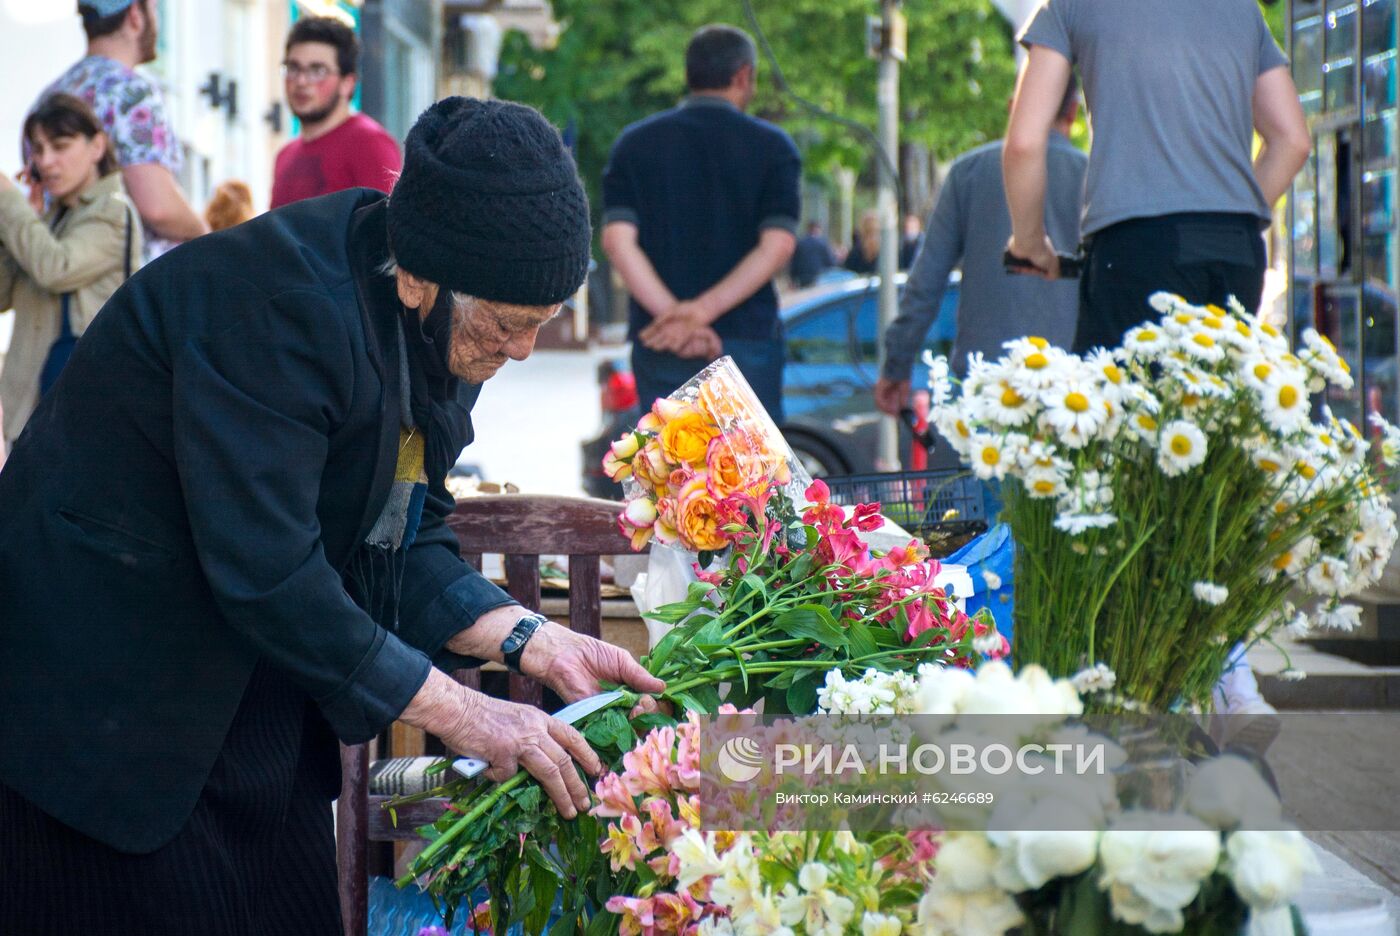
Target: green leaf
[
  {"x": 756, "y": 585},
  {"x": 886, "y": 637},
  {"x": 603, "y": 923},
  {"x": 812, "y": 621},
  {"x": 861, "y": 640},
  {"x": 802, "y": 694},
  {"x": 601, "y": 731},
  {"x": 743, "y": 670},
  {"x": 645, "y": 723},
  {"x": 659, "y": 654},
  {"x": 711, "y": 635},
  {"x": 1083, "y": 908},
  {"x": 544, "y": 884},
  {"x": 695, "y": 593}
]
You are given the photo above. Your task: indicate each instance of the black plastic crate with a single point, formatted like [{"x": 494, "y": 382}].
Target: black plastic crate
[{"x": 923, "y": 502}]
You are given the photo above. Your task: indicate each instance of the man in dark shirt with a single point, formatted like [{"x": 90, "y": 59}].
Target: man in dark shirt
[
  {"x": 700, "y": 209},
  {"x": 812, "y": 258}
]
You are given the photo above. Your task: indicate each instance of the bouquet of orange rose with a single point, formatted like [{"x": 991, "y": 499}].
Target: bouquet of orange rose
[{"x": 707, "y": 443}]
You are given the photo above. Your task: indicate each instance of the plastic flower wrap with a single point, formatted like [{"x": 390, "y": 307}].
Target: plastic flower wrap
[
  {"x": 694, "y": 455},
  {"x": 1176, "y": 486}
]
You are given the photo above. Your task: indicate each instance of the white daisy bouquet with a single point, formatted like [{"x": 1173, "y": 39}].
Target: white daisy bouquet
[{"x": 1167, "y": 496}]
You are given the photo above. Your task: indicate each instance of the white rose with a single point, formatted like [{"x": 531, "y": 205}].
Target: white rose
[
  {"x": 1152, "y": 865},
  {"x": 995, "y": 691},
  {"x": 1052, "y": 696},
  {"x": 1227, "y": 792},
  {"x": 966, "y": 862},
  {"x": 945, "y": 912},
  {"x": 1031, "y": 859},
  {"x": 941, "y": 690},
  {"x": 1267, "y": 868}
]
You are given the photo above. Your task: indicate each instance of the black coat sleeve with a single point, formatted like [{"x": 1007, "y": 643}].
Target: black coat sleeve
[{"x": 254, "y": 405}]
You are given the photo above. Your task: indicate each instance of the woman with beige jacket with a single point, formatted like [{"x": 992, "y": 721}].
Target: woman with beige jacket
[{"x": 56, "y": 271}]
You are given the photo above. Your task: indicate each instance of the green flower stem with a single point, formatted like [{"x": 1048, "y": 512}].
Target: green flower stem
[
  {"x": 458, "y": 827},
  {"x": 726, "y": 673}
]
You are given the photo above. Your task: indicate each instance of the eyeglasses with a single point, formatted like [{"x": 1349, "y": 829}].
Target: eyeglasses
[{"x": 294, "y": 72}]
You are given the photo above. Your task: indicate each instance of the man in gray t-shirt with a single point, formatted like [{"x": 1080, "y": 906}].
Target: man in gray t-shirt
[
  {"x": 969, "y": 227},
  {"x": 1173, "y": 200}
]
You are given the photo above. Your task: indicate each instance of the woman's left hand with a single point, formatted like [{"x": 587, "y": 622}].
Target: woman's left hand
[{"x": 574, "y": 665}]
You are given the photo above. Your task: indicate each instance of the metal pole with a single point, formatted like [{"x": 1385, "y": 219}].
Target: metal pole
[{"x": 887, "y": 101}]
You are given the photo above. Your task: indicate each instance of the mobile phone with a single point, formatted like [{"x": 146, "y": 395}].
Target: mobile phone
[
  {"x": 34, "y": 177},
  {"x": 1071, "y": 265}
]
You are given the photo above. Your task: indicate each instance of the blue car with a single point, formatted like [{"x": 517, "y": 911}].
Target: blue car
[{"x": 833, "y": 361}]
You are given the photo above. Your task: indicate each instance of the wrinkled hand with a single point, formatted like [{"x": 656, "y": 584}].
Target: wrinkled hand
[
  {"x": 704, "y": 343},
  {"x": 574, "y": 665},
  {"x": 1041, "y": 255},
  {"x": 891, "y": 396},
  {"x": 673, "y": 329},
  {"x": 509, "y": 736}
]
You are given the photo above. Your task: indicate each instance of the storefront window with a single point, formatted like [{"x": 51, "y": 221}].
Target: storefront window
[
  {"x": 1339, "y": 47},
  {"x": 1307, "y": 55}
]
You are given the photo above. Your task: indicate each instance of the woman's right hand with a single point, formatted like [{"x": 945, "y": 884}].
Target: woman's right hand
[{"x": 508, "y": 736}]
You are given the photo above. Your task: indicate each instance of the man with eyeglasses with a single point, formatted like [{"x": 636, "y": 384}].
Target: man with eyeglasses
[{"x": 337, "y": 149}]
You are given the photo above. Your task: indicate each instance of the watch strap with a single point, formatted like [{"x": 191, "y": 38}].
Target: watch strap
[{"x": 514, "y": 644}]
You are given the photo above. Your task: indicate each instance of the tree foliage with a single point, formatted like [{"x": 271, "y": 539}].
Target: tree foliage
[{"x": 619, "y": 60}]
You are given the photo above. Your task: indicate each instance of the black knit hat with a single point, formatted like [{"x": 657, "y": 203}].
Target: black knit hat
[{"x": 489, "y": 204}]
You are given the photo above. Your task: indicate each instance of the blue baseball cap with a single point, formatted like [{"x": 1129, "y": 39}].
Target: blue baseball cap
[{"x": 105, "y": 8}]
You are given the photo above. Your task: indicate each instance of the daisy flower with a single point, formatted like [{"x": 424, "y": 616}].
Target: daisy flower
[
  {"x": 1144, "y": 426},
  {"x": 955, "y": 426},
  {"x": 1033, "y": 369},
  {"x": 1201, "y": 343},
  {"x": 1145, "y": 341},
  {"x": 1181, "y": 447},
  {"x": 989, "y": 456},
  {"x": 1104, "y": 366},
  {"x": 1390, "y": 440},
  {"x": 1322, "y": 356},
  {"x": 939, "y": 381},
  {"x": 1284, "y": 404},
  {"x": 1257, "y": 371},
  {"x": 1002, "y": 403},
  {"x": 1210, "y": 593},
  {"x": 1327, "y": 576},
  {"x": 1342, "y": 617},
  {"x": 1075, "y": 524},
  {"x": 1075, "y": 411},
  {"x": 1165, "y": 303}
]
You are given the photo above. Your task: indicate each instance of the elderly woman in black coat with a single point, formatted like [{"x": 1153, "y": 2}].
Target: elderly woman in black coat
[{"x": 222, "y": 543}]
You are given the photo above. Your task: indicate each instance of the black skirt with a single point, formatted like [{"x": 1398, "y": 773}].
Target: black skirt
[{"x": 257, "y": 855}]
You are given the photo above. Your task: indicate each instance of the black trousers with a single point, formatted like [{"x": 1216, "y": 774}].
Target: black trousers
[
  {"x": 257, "y": 857},
  {"x": 1204, "y": 258}
]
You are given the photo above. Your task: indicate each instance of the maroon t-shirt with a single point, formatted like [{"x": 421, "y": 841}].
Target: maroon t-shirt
[{"x": 358, "y": 152}]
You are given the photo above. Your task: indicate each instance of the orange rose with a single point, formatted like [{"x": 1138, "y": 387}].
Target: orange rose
[
  {"x": 728, "y": 405},
  {"x": 697, "y": 517},
  {"x": 734, "y": 465},
  {"x": 686, "y": 437}
]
